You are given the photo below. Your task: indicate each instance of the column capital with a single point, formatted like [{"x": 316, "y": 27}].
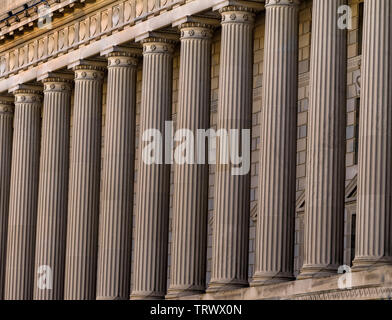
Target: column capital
[
  {"x": 57, "y": 82},
  {"x": 279, "y": 3},
  {"x": 117, "y": 59},
  {"x": 158, "y": 42},
  {"x": 121, "y": 56},
  {"x": 27, "y": 93},
  {"x": 237, "y": 14},
  {"x": 158, "y": 45},
  {"x": 196, "y": 30},
  {"x": 57, "y": 85},
  {"x": 88, "y": 69},
  {"x": 88, "y": 72},
  {"x": 6, "y": 105}
]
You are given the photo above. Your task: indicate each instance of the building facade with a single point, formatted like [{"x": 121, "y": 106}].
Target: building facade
[{"x": 82, "y": 216}]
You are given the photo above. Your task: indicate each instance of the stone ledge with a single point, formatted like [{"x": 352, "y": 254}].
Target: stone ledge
[{"x": 366, "y": 285}]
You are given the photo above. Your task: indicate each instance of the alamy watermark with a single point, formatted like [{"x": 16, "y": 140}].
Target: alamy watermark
[
  {"x": 345, "y": 281},
  {"x": 44, "y": 17},
  {"x": 45, "y": 278},
  {"x": 224, "y": 147},
  {"x": 345, "y": 21}
]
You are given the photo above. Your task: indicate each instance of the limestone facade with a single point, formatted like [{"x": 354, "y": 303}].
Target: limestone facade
[{"x": 80, "y": 81}]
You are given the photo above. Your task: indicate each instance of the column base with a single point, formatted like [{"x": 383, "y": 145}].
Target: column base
[
  {"x": 226, "y": 285},
  {"x": 110, "y": 298},
  {"x": 264, "y": 278},
  {"x": 183, "y": 291},
  {"x": 317, "y": 271},
  {"x": 365, "y": 263},
  {"x": 147, "y": 295}
]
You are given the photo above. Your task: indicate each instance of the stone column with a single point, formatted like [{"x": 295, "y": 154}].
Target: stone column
[
  {"x": 53, "y": 190},
  {"x": 115, "y": 235},
  {"x": 374, "y": 220},
  {"x": 232, "y": 192},
  {"x": 275, "y": 221},
  {"x": 324, "y": 205},
  {"x": 84, "y": 185},
  {"x": 23, "y": 195},
  {"x": 188, "y": 259},
  {"x": 6, "y": 130},
  {"x": 153, "y": 182}
]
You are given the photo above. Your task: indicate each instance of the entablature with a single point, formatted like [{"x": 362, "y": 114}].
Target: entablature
[{"x": 88, "y": 35}]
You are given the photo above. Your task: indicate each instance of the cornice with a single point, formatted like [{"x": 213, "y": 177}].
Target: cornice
[
  {"x": 59, "y": 20},
  {"x": 25, "y": 19},
  {"x": 92, "y": 26}
]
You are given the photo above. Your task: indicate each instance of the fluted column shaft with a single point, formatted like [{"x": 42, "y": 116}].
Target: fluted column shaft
[
  {"x": 6, "y": 122},
  {"x": 374, "y": 220},
  {"x": 324, "y": 206},
  {"x": 53, "y": 191},
  {"x": 153, "y": 182},
  {"x": 23, "y": 196},
  {"x": 275, "y": 221},
  {"x": 115, "y": 236},
  {"x": 232, "y": 192},
  {"x": 84, "y": 185},
  {"x": 188, "y": 258}
]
